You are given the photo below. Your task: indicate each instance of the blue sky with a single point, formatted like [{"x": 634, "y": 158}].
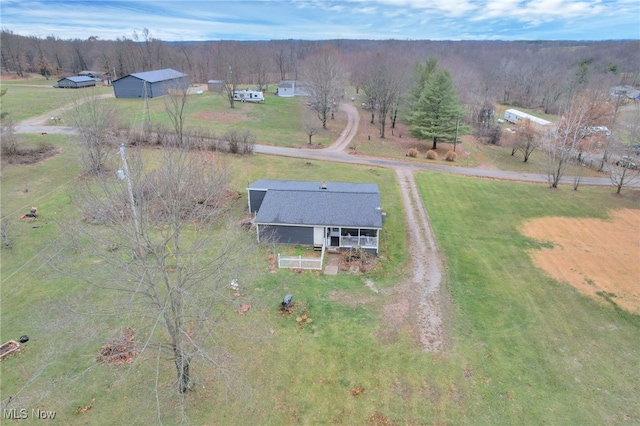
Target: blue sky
[{"x": 326, "y": 19}]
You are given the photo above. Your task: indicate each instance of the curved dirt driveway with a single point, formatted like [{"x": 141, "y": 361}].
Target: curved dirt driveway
[{"x": 420, "y": 293}]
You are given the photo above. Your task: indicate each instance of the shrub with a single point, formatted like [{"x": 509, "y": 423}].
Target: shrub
[
  {"x": 432, "y": 154},
  {"x": 240, "y": 143},
  {"x": 412, "y": 153},
  {"x": 8, "y": 138},
  {"x": 451, "y": 156}
]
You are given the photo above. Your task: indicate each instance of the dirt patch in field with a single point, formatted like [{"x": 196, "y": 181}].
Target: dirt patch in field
[
  {"x": 600, "y": 258},
  {"x": 220, "y": 117},
  {"x": 28, "y": 156}
]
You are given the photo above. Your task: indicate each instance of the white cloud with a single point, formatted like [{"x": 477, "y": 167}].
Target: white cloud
[
  {"x": 325, "y": 19},
  {"x": 539, "y": 11}
]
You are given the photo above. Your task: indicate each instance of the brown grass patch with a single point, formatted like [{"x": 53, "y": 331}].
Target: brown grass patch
[
  {"x": 220, "y": 117},
  {"x": 597, "y": 257}
]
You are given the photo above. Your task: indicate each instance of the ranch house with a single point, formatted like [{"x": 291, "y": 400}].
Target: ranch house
[{"x": 330, "y": 214}]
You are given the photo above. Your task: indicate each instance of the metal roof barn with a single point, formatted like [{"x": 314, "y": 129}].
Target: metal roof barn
[
  {"x": 76, "y": 82},
  {"x": 150, "y": 84}
]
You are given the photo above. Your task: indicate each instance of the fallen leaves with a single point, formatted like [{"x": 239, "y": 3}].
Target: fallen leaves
[
  {"x": 121, "y": 350},
  {"x": 244, "y": 308},
  {"x": 357, "y": 391},
  {"x": 83, "y": 409}
]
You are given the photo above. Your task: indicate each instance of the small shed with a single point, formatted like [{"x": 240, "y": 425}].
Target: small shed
[
  {"x": 150, "y": 84},
  {"x": 215, "y": 85},
  {"x": 289, "y": 88},
  {"x": 76, "y": 82}
]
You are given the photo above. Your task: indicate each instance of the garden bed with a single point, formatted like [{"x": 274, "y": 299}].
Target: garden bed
[{"x": 8, "y": 348}]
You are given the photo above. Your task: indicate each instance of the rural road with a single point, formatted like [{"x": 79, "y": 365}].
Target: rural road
[
  {"x": 336, "y": 152},
  {"x": 39, "y": 124}
]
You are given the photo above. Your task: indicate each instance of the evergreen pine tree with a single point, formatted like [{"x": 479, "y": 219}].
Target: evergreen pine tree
[{"x": 435, "y": 113}]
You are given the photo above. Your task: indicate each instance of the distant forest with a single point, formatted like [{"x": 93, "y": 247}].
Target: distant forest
[{"x": 538, "y": 75}]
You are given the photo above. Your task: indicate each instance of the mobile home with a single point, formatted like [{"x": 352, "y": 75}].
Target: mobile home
[{"x": 513, "y": 116}]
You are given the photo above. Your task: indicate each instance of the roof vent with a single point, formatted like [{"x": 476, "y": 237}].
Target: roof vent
[{"x": 324, "y": 185}]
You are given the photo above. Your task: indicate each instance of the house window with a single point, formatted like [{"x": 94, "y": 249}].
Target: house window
[
  {"x": 368, "y": 232},
  {"x": 349, "y": 232}
]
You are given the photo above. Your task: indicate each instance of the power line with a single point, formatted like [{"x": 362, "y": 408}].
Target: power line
[
  {"x": 44, "y": 249},
  {"x": 26, "y": 206}
]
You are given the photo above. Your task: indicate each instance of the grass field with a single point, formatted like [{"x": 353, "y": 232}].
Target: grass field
[
  {"x": 522, "y": 347},
  {"x": 276, "y": 122},
  {"x": 23, "y": 102}
]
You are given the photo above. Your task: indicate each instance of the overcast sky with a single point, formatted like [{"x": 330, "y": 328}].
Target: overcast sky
[{"x": 177, "y": 20}]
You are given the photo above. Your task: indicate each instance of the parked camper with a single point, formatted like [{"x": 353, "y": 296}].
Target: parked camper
[{"x": 248, "y": 96}]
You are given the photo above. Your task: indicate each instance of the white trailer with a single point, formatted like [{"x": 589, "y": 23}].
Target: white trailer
[
  {"x": 513, "y": 116},
  {"x": 248, "y": 96}
]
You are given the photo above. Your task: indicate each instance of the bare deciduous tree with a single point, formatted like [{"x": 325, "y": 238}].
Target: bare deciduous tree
[
  {"x": 8, "y": 140},
  {"x": 585, "y": 113},
  {"x": 621, "y": 174},
  {"x": 325, "y": 78},
  {"x": 382, "y": 85},
  {"x": 311, "y": 126},
  {"x": 97, "y": 123},
  {"x": 527, "y": 139},
  {"x": 281, "y": 58},
  {"x": 173, "y": 254},
  {"x": 175, "y": 103},
  {"x": 259, "y": 67},
  {"x": 561, "y": 144}
]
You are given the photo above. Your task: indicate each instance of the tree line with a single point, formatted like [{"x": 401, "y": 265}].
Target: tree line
[{"x": 524, "y": 74}]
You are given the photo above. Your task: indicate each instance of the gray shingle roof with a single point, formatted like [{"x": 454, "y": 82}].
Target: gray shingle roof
[
  {"x": 305, "y": 203},
  {"x": 296, "y": 185},
  {"x": 158, "y": 75}
]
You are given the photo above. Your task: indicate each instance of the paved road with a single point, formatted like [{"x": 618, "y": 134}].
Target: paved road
[{"x": 336, "y": 152}]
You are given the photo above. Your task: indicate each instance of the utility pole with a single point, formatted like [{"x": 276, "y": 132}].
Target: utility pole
[
  {"x": 124, "y": 174},
  {"x": 455, "y": 139}
]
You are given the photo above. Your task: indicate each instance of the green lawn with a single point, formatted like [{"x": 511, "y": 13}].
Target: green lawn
[
  {"x": 278, "y": 121},
  {"x": 23, "y": 102},
  {"x": 522, "y": 348},
  {"x": 540, "y": 352}
]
